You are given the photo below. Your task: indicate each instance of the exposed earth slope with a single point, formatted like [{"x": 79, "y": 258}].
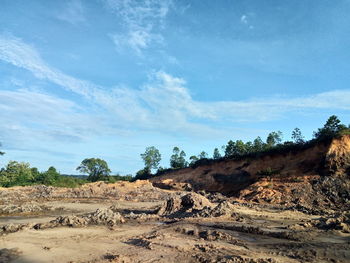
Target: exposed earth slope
[{"x": 314, "y": 176}]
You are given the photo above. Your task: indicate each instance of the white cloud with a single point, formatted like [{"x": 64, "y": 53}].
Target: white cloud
[
  {"x": 29, "y": 115},
  {"x": 73, "y": 13},
  {"x": 163, "y": 104},
  {"x": 142, "y": 22}
]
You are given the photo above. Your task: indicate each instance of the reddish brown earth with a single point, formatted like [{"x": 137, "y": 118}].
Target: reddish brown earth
[{"x": 317, "y": 176}]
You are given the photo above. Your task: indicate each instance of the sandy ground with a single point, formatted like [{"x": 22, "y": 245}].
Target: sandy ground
[{"x": 253, "y": 235}]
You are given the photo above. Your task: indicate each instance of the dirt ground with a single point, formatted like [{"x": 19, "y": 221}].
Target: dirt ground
[{"x": 178, "y": 227}]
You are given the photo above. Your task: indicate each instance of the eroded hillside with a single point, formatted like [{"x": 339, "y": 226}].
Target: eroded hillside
[{"x": 317, "y": 175}]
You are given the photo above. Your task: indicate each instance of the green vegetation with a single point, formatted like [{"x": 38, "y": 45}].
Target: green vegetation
[
  {"x": 177, "y": 160},
  {"x": 273, "y": 145},
  {"x": 297, "y": 137},
  {"x": 216, "y": 154},
  {"x": 332, "y": 128},
  {"x": 20, "y": 173},
  {"x": 97, "y": 169},
  {"x": 151, "y": 158}
]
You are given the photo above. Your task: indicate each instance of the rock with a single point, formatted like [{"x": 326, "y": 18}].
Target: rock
[
  {"x": 184, "y": 206},
  {"x": 105, "y": 217},
  {"x": 224, "y": 208},
  {"x": 72, "y": 221},
  {"x": 31, "y": 207},
  {"x": 99, "y": 217}
]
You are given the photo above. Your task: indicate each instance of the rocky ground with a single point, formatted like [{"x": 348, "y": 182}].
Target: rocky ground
[{"x": 136, "y": 222}]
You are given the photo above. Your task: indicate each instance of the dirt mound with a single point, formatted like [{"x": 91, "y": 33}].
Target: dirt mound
[
  {"x": 26, "y": 208},
  {"x": 99, "y": 217},
  {"x": 194, "y": 205},
  {"x": 105, "y": 217},
  {"x": 224, "y": 208},
  {"x": 184, "y": 205}
]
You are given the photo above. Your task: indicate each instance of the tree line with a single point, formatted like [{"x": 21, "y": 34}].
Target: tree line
[
  {"x": 240, "y": 149},
  {"x": 20, "y": 173}
]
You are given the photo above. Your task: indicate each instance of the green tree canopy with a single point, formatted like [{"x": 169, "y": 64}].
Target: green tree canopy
[
  {"x": 143, "y": 174},
  {"x": 230, "y": 148},
  {"x": 50, "y": 177},
  {"x": 216, "y": 154},
  {"x": 177, "y": 159},
  {"x": 274, "y": 138},
  {"x": 151, "y": 157},
  {"x": 258, "y": 145},
  {"x": 16, "y": 173},
  {"x": 297, "y": 137},
  {"x": 331, "y": 128},
  {"x": 97, "y": 169}
]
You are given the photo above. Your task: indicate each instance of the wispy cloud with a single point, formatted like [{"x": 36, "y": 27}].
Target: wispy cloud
[
  {"x": 142, "y": 22},
  {"x": 164, "y": 103},
  {"x": 73, "y": 13}
]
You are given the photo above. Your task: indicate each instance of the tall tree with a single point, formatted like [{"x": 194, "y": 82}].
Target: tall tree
[
  {"x": 230, "y": 148},
  {"x": 258, "y": 144},
  {"x": 151, "y": 157},
  {"x": 216, "y": 154},
  {"x": 177, "y": 159},
  {"x": 331, "y": 128},
  {"x": 97, "y": 169},
  {"x": 274, "y": 138},
  {"x": 297, "y": 137},
  {"x": 241, "y": 148}
]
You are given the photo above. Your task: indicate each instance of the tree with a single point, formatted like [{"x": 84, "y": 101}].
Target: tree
[
  {"x": 16, "y": 173},
  {"x": 177, "y": 159},
  {"x": 203, "y": 155},
  {"x": 151, "y": 157},
  {"x": 50, "y": 177},
  {"x": 193, "y": 159},
  {"x": 274, "y": 138},
  {"x": 143, "y": 174},
  {"x": 96, "y": 168},
  {"x": 230, "y": 148},
  {"x": 297, "y": 137},
  {"x": 237, "y": 148},
  {"x": 331, "y": 128},
  {"x": 240, "y": 148},
  {"x": 216, "y": 154},
  {"x": 258, "y": 145}
]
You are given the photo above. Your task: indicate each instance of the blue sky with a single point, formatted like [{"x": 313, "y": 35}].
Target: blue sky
[{"x": 108, "y": 78}]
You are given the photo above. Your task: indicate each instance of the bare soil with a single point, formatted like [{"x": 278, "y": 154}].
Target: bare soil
[{"x": 126, "y": 225}]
